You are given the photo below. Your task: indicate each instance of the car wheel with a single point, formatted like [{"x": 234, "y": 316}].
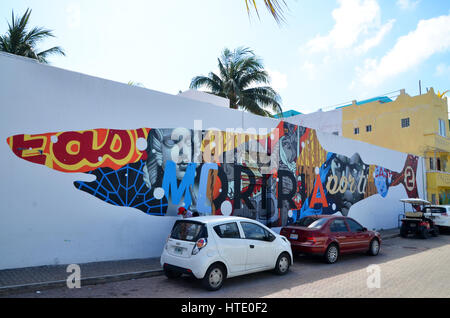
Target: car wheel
[
  {"x": 283, "y": 263},
  {"x": 424, "y": 233},
  {"x": 374, "y": 247},
  {"x": 214, "y": 277},
  {"x": 332, "y": 253},
  {"x": 404, "y": 230},
  {"x": 171, "y": 274}
]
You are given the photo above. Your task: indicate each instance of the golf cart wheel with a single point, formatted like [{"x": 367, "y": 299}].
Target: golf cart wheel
[
  {"x": 332, "y": 253},
  {"x": 374, "y": 247},
  {"x": 214, "y": 277},
  {"x": 404, "y": 230},
  {"x": 435, "y": 231},
  {"x": 424, "y": 233}
]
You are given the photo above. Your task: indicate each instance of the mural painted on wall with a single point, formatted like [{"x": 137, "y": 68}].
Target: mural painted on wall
[{"x": 274, "y": 178}]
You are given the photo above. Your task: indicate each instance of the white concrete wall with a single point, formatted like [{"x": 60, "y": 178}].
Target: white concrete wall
[
  {"x": 46, "y": 220},
  {"x": 205, "y": 97},
  {"x": 326, "y": 121}
]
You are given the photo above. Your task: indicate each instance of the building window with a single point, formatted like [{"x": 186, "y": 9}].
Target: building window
[
  {"x": 442, "y": 128},
  {"x": 368, "y": 128},
  {"x": 431, "y": 164},
  {"x": 336, "y": 133},
  {"x": 405, "y": 122},
  {"x": 356, "y": 131}
]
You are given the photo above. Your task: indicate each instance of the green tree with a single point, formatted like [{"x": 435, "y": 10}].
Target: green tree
[
  {"x": 243, "y": 80},
  {"x": 19, "y": 40}
]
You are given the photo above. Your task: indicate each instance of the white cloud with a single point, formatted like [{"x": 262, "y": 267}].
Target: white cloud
[
  {"x": 278, "y": 80},
  {"x": 376, "y": 40},
  {"x": 354, "y": 19},
  {"x": 430, "y": 37},
  {"x": 407, "y": 4}
]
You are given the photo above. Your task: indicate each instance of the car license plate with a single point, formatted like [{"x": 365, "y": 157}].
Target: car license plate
[
  {"x": 294, "y": 236},
  {"x": 178, "y": 250},
  {"x": 412, "y": 225}
]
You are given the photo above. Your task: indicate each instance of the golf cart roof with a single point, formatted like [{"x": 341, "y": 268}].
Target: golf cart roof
[{"x": 416, "y": 201}]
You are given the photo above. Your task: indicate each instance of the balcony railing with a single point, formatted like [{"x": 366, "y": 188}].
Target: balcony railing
[
  {"x": 438, "y": 179},
  {"x": 436, "y": 141}
]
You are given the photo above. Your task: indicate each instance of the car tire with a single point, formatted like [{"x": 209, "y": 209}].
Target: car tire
[
  {"x": 404, "y": 230},
  {"x": 283, "y": 263},
  {"x": 214, "y": 277},
  {"x": 170, "y": 274},
  {"x": 374, "y": 247},
  {"x": 332, "y": 253}
]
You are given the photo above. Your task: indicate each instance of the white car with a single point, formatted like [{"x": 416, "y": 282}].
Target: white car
[
  {"x": 213, "y": 248},
  {"x": 439, "y": 213}
]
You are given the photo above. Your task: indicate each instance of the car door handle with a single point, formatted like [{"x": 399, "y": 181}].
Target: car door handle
[{"x": 252, "y": 246}]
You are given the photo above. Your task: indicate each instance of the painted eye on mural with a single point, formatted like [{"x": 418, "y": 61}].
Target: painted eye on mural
[{"x": 169, "y": 142}]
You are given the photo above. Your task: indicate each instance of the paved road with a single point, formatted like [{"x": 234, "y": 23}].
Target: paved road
[{"x": 409, "y": 268}]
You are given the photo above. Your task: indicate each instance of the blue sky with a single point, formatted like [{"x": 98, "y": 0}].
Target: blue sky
[{"x": 328, "y": 52}]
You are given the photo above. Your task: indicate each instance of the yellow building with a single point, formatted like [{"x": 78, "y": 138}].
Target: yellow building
[{"x": 417, "y": 125}]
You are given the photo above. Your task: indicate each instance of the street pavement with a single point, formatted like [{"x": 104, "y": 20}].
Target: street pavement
[{"x": 407, "y": 268}]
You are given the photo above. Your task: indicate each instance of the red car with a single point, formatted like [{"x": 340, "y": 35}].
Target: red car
[{"x": 330, "y": 236}]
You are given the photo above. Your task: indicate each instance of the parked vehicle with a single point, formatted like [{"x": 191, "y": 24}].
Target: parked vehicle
[
  {"x": 213, "y": 248},
  {"x": 420, "y": 223},
  {"x": 330, "y": 236},
  {"x": 440, "y": 215}
]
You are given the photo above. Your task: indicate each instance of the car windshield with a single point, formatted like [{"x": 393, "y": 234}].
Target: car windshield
[
  {"x": 311, "y": 222},
  {"x": 435, "y": 210},
  {"x": 188, "y": 231}
]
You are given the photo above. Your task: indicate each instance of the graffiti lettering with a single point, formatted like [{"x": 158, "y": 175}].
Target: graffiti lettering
[
  {"x": 410, "y": 181},
  {"x": 74, "y": 148},
  {"x": 341, "y": 185},
  {"x": 315, "y": 199},
  {"x": 267, "y": 176}
]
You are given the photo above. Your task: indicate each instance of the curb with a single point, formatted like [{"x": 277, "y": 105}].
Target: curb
[
  {"x": 9, "y": 290},
  {"x": 390, "y": 236}
]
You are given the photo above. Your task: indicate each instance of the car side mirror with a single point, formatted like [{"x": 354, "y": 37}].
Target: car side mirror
[
  {"x": 364, "y": 229},
  {"x": 270, "y": 238}
]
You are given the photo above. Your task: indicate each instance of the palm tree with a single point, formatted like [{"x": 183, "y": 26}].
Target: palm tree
[
  {"x": 275, "y": 7},
  {"x": 19, "y": 41},
  {"x": 241, "y": 78}
]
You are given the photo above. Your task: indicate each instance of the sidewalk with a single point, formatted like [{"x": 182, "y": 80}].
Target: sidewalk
[{"x": 45, "y": 277}]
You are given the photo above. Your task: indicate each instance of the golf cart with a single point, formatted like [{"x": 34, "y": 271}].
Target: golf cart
[{"x": 418, "y": 223}]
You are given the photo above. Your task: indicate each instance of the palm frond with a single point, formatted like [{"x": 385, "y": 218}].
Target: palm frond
[
  {"x": 42, "y": 56},
  {"x": 275, "y": 7}
]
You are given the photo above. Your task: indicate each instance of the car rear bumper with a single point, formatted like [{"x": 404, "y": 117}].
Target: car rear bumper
[
  {"x": 195, "y": 266},
  {"x": 177, "y": 269},
  {"x": 307, "y": 248}
]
